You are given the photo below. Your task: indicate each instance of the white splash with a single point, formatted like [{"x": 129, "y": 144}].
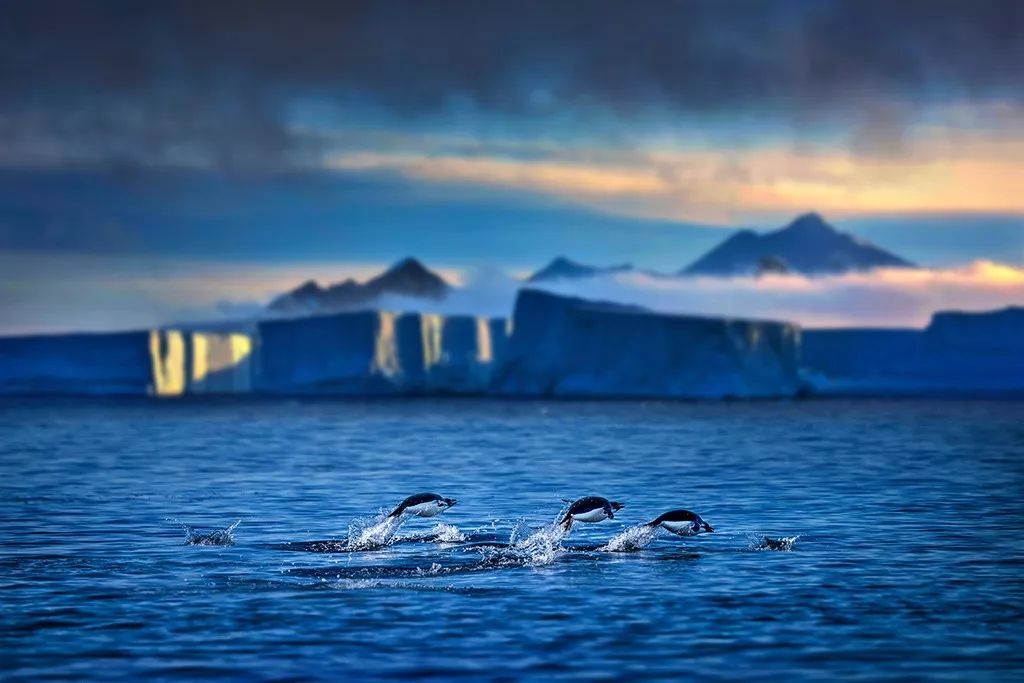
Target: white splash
[
  {"x": 632, "y": 539},
  {"x": 539, "y": 547},
  {"x": 439, "y": 533},
  {"x": 221, "y": 537},
  {"x": 378, "y": 533},
  {"x": 782, "y": 544},
  {"x": 433, "y": 570},
  {"x": 447, "y": 533}
]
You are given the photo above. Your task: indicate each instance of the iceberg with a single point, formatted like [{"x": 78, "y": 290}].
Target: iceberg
[
  {"x": 96, "y": 363},
  {"x": 379, "y": 352},
  {"x": 167, "y": 362},
  {"x": 565, "y": 346},
  {"x": 194, "y": 362},
  {"x": 957, "y": 353},
  {"x": 554, "y": 345}
]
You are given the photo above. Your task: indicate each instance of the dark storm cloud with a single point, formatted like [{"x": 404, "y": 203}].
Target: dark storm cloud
[{"x": 212, "y": 83}]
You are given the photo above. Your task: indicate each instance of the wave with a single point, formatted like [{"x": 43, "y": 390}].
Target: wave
[
  {"x": 537, "y": 548},
  {"x": 525, "y": 548},
  {"x": 376, "y": 536}
]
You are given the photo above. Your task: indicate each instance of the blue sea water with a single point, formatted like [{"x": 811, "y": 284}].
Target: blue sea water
[{"x": 908, "y": 518}]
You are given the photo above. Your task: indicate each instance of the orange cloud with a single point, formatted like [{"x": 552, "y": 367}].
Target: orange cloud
[
  {"x": 550, "y": 177},
  {"x": 935, "y": 169}
]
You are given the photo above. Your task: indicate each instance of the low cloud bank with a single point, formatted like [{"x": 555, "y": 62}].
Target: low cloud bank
[
  {"x": 40, "y": 294},
  {"x": 880, "y": 298}
]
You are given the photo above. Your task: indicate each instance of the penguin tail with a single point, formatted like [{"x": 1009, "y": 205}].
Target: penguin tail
[{"x": 397, "y": 512}]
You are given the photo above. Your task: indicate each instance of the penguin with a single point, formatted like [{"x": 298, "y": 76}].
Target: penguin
[
  {"x": 681, "y": 523},
  {"x": 423, "y": 505},
  {"x": 589, "y": 509}
]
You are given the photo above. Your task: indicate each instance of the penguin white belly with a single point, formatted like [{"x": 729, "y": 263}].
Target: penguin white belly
[
  {"x": 679, "y": 528},
  {"x": 591, "y": 516},
  {"x": 428, "y": 509}
]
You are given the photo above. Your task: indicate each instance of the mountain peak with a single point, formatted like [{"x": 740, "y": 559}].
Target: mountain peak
[
  {"x": 307, "y": 288},
  {"x": 409, "y": 265},
  {"x": 411, "y": 278},
  {"x": 407, "y": 277},
  {"x": 810, "y": 223},
  {"x": 808, "y": 245},
  {"x": 562, "y": 267}
]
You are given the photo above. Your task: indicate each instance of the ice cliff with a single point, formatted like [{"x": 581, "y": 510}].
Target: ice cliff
[
  {"x": 153, "y": 362},
  {"x": 958, "y": 353},
  {"x": 192, "y": 362},
  {"x": 117, "y": 363},
  {"x": 563, "y": 346},
  {"x": 555, "y": 346},
  {"x": 373, "y": 352}
]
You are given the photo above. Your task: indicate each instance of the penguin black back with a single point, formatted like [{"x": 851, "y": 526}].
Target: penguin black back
[
  {"x": 590, "y": 509},
  {"x": 413, "y": 500},
  {"x": 681, "y": 522}
]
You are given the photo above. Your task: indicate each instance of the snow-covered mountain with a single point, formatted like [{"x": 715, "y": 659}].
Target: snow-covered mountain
[
  {"x": 561, "y": 268},
  {"x": 808, "y": 245},
  {"x": 408, "y": 277}
]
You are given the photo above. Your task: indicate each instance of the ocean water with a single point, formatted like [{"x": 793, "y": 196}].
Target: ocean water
[{"x": 858, "y": 540}]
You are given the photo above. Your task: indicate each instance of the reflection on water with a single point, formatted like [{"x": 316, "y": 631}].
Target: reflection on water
[{"x": 870, "y": 540}]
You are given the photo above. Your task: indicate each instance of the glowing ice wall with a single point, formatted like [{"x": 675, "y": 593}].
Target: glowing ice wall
[
  {"x": 167, "y": 351},
  {"x": 221, "y": 363},
  {"x": 433, "y": 330}
]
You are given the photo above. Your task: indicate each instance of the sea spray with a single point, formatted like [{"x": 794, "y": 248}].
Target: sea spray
[
  {"x": 782, "y": 544},
  {"x": 632, "y": 539},
  {"x": 540, "y": 547},
  {"x": 220, "y": 537},
  {"x": 378, "y": 532},
  {"x": 447, "y": 533},
  {"x": 439, "y": 533}
]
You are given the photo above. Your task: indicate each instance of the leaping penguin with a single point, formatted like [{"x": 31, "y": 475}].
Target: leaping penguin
[
  {"x": 423, "y": 505},
  {"x": 681, "y": 523},
  {"x": 589, "y": 509}
]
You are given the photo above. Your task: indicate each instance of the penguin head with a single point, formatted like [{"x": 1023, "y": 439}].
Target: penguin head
[
  {"x": 613, "y": 507},
  {"x": 446, "y": 503},
  {"x": 700, "y": 525}
]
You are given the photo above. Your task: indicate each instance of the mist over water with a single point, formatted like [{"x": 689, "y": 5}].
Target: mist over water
[{"x": 872, "y": 539}]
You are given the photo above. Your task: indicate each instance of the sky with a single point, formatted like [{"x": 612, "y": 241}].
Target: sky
[{"x": 167, "y": 160}]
